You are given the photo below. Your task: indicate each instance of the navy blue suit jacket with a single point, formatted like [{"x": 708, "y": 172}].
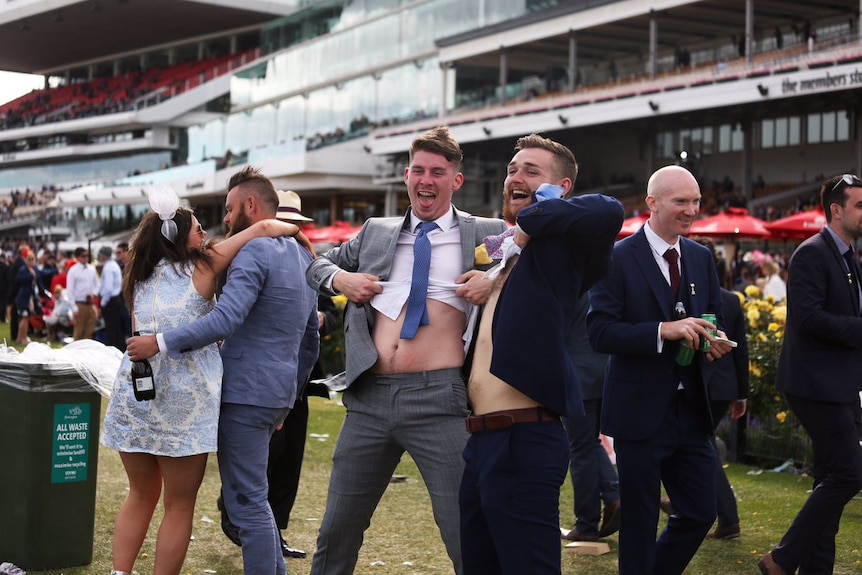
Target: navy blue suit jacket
[
  {"x": 626, "y": 308},
  {"x": 730, "y": 381},
  {"x": 569, "y": 250},
  {"x": 821, "y": 358}
]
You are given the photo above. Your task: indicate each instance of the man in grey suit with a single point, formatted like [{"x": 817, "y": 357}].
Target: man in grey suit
[
  {"x": 406, "y": 391},
  {"x": 267, "y": 317}
]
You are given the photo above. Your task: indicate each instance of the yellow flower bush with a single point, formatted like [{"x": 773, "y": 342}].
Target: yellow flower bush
[
  {"x": 773, "y": 432},
  {"x": 766, "y": 323},
  {"x": 332, "y": 344}
]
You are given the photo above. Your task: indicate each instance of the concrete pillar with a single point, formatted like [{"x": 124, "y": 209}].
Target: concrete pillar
[
  {"x": 749, "y": 31},
  {"x": 653, "y": 44},
  {"x": 504, "y": 73},
  {"x": 573, "y": 61}
]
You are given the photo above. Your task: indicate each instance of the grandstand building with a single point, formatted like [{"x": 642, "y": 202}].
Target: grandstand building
[{"x": 759, "y": 98}]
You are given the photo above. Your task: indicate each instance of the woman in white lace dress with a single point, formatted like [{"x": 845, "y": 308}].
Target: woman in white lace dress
[{"x": 170, "y": 279}]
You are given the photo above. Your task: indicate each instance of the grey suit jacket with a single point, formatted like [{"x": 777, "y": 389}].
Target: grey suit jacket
[
  {"x": 372, "y": 252},
  {"x": 267, "y": 317}
]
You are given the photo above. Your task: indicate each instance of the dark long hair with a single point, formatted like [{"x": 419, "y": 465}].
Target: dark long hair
[{"x": 149, "y": 247}]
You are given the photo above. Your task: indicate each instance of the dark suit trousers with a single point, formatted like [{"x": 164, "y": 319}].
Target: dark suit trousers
[
  {"x": 112, "y": 314},
  {"x": 593, "y": 477},
  {"x": 725, "y": 500},
  {"x": 286, "y": 450},
  {"x": 510, "y": 500},
  {"x": 681, "y": 456},
  {"x": 809, "y": 543}
]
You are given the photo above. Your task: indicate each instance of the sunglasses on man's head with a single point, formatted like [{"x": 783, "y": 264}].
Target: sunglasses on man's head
[{"x": 849, "y": 180}]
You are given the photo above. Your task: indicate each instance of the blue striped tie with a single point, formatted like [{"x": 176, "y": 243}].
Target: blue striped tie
[{"x": 417, "y": 311}]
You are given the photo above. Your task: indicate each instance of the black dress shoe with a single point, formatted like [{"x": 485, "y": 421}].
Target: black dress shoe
[
  {"x": 725, "y": 532},
  {"x": 290, "y": 552},
  {"x": 230, "y": 530},
  {"x": 768, "y": 566},
  {"x": 575, "y": 535},
  {"x": 610, "y": 519}
]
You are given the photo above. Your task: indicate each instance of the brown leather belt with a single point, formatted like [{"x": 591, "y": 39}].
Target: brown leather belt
[{"x": 507, "y": 418}]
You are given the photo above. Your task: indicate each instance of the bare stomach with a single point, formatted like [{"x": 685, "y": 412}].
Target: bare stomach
[
  {"x": 438, "y": 345},
  {"x": 487, "y": 394}
]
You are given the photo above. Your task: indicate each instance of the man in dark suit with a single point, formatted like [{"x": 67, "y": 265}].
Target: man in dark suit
[
  {"x": 728, "y": 390},
  {"x": 406, "y": 390},
  {"x": 522, "y": 378},
  {"x": 5, "y": 282},
  {"x": 594, "y": 479},
  {"x": 657, "y": 411},
  {"x": 820, "y": 373}
]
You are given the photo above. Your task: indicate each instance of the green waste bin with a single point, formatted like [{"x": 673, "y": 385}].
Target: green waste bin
[{"x": 48, "y": 463}]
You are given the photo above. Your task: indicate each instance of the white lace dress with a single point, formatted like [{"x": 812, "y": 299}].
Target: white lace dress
[{"x": 183, "y": 418}]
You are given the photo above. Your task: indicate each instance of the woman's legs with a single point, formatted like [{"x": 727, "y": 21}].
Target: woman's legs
[
  {"x": 133, "y": 520},
  {"x": 182, "y": 479},
  {"x": 23, "y": 328}
]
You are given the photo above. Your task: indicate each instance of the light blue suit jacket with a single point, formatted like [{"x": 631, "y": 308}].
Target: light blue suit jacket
[{"x": 267, "y": 317}]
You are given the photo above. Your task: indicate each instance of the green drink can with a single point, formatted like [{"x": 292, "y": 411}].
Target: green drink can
[
  {"x": 685, "y": 353},
  {"x": 704, "y": 344}
]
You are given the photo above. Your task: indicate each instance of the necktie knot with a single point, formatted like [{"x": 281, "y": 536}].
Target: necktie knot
[
  {"x": 425, "y": 227},
  {"x": 672, "y": 258}
]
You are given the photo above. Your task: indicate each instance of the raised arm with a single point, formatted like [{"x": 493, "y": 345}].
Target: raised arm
[{"x": 222, "y": 253}]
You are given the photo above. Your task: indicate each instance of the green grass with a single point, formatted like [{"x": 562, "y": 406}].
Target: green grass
[{"x": 403, "y": 528}]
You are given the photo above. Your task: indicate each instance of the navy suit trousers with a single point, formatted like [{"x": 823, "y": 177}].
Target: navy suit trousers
[
  {"x": 510, "y": 500},
  {"x": 809, "y": 544},
  {"x": 593, "y": 476},
  {"x": 725, "y": 500},
  {"x": 679, "y": 455}
]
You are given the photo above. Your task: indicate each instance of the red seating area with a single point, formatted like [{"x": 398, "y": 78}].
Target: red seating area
[{"x": 111, "y": 95}]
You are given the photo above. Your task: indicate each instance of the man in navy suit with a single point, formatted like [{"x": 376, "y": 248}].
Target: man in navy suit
[
  {"x": 820, "y": 373},
  {"x": 657, "y": 411},
  {"x": 728, "y": 393},
  {"x": 522, "y": 378}
]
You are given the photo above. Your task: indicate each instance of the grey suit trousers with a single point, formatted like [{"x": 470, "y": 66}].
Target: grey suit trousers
[{"x": 421, "y": 413}]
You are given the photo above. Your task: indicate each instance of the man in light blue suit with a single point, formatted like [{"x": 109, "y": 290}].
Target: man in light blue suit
[
  {"x": 267, "y": 317},
  {"x": 406, "y": 391}
]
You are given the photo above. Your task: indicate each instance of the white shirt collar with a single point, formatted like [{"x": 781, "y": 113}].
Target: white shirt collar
[
  {"x": 444, "y": 222},
  {"x": 658, "y": 245}
]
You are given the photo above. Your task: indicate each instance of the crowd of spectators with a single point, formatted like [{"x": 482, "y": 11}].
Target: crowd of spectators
[
  {"x": 109, "y": 95},
  {"x": 20, "y": 199}
]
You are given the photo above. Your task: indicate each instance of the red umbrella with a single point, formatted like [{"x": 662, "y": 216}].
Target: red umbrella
[
  {"x": 731, "y": 223},
  {"x": 337, "y": 233},
  {"x": 798, "y": 226},
  {"x": 632, "y": 225}
]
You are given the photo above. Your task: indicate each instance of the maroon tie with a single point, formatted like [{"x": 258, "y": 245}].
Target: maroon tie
[{"x": 672, "y": 258}]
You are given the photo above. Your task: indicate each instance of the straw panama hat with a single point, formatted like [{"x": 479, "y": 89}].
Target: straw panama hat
[{"x": 290, "y": 207}]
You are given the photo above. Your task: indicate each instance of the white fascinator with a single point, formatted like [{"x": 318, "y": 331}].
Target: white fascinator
[{"x": 164, "y": 201}]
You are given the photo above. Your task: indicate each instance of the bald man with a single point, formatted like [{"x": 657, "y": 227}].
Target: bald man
[{"x": 656, "y": 409}]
